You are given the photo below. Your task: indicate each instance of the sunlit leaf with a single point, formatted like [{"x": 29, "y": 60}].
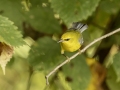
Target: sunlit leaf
[
  {"x": 38, "y": 83},
  {"x": 9, "y": 33}
]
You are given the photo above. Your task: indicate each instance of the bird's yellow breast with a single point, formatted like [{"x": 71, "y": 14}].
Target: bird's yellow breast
[{"x": 70, "y": 47}]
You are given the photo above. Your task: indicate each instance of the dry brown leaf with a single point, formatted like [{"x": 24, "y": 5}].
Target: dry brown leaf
[{"x": 6, "y": 53}]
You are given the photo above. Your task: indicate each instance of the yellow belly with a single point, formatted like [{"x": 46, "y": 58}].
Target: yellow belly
[{"x": 70, "y": 48}]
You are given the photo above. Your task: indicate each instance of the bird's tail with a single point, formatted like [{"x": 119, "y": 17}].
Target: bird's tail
[{"x": 79, "y": 26}]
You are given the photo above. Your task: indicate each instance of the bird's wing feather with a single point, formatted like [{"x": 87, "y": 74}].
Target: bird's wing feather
[{"x": 78, "y": 26}]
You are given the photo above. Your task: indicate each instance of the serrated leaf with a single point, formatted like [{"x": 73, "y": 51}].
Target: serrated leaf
[
  {"x": 13, "y": 10},
  {"x": 77, "y": 73},
  {"x": 110, "y": 6},
  {"x": 9, "y": 33},
  {"x": 45, "y": 54},
  {"x": 116, "y": 65},
  {"x": 111, "y": 79},
  {"x": 74, "y": 10},
  {"x": 41, "y": 17}
]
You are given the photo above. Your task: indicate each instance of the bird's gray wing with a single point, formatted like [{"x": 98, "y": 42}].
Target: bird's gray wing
[{"x": 78, "y": 26}]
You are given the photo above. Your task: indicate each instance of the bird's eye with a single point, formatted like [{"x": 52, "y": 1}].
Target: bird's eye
[{"x": 67, "y": 39}]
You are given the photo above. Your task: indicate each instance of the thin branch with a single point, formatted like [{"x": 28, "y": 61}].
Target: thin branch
[{"x": 81, "y": 51}]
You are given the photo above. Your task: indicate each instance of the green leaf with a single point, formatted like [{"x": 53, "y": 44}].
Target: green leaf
[
  {"x": 112, "y": 79},
  {"x": 37, "y": 81},
  {"x": 59, "y": 83},
  {"x": 9, "y": 33},
  {"x": 63, "y": 82},
  {"x": 116, "y": 65},
  {"x": 41, "y": 17},
  {"x": 77, "y": 73},
  {"x": 13, "y": 10},
  {"x": 26, "y": 4},
  {"x": 110, "y": 6},
  {"x": 74, "y": 10},
  {"x": 45, "y": 54}
]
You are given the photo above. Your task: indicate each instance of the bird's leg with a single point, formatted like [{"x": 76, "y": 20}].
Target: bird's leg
[{"x": 66, "y": 57}]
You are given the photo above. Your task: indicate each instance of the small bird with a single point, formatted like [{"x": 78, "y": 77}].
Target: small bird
[{"x": 72, "y": 39}]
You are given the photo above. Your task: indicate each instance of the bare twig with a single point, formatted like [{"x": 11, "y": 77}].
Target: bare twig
[{"x": 81, "y": 51}]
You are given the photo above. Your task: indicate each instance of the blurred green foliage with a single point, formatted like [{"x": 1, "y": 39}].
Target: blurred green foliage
[{"x": 41, "y": 23}]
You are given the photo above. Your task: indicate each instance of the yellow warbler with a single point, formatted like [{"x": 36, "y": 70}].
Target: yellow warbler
[{"x": 72, "y": 39}]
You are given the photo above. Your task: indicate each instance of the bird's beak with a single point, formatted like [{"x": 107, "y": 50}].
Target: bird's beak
[{"x": 61, "y": 40}]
